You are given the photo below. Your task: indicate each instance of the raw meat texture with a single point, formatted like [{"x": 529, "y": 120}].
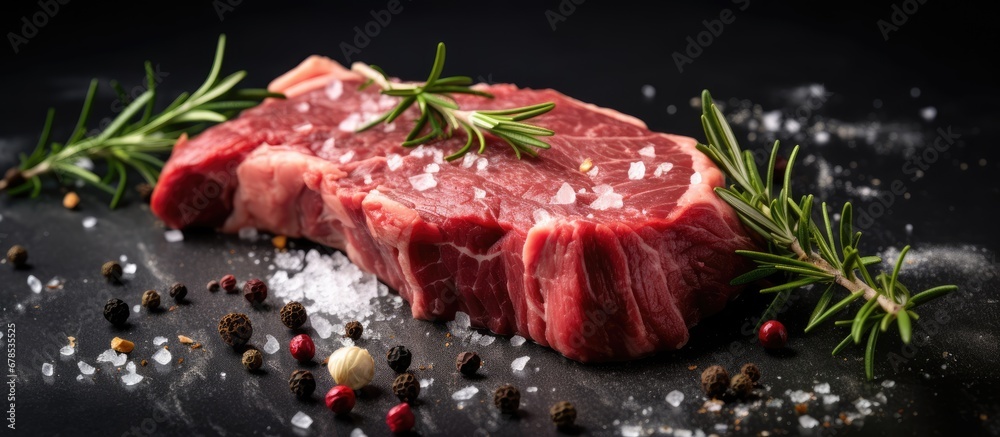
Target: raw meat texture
[{"x": 620, "y": 269}]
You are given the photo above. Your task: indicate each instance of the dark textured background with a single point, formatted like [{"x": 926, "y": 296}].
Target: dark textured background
[{"x": 603, "y": 52}]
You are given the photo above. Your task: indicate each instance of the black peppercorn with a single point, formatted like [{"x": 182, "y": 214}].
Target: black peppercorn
[
  {"x": 468, "y": 363},
  {"x": 293, "y": 315},
  {"x": 406, "y": 387},
  {"x": 228, "y": 283},
  {"x": 741, "y": 385},
  {"x": 252, "y": 359},
  {"x": 116, "y": 311},
  {"x": 178, "y": 291},
  {"x": 563, "y": 414},
  {"x": 17, "y": 255},
  {"x": 507, "y": 398},
  {"x": 235, "y": 329},
  {"x": 752, "y": 371},
  {"x": 151, "y": 299},
  {"x": 302, "y": 383},
  {"x": 714, "y": 381},
  {"x": 112, "y": 271},
  {"x": 212, "y": 286},
  {"x": 399, "y": 358},
  {"x": 353, "y": 330},
  {"x": 255, "y": 291}
]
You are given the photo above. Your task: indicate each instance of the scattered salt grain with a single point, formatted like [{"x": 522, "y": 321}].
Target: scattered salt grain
[
  {"x": 822, "y": 389},
  {"x": 631, "y": 430},
  {"x": 47, "y": 369},
  {"x": 799, "y": 396},
  {"x": 830, "y": 399},
  {"x": 130, "y": 377},
  {"x": 271, "y": 346},
  {"x": 541, "y": 216},
  {"x": 159, "y": 340},
  {"x": 301, "y": 420},
  {"x": 129, "y": 268},
  {"x": 478, "y": 193},
  {"x": 302, "y": 107},
  {"x": 772, "y": 121},
  {"x": 432, "y": 168},
  {"x": 808, "y": 422},
  {"x": 713, "y": 406},
  {"x": 481, "y": 163},
  {"x": 487, "y": 340},
  {"x": 774, "y": 403},
  {"x": 880, "y": 397},
  {"x": 648, "y": 91},
  {"x": 531, "y": 389},
  {"x": 334, "y": 89},
  {"x": 928, "y": 113},
  {"x": 222, "y": 376},
  {"x": 248, "y": 233},
  {"x": 675, "y": 398},
  {"x": 173, "y": 236},
  {"x": 89, "y": 222},
  {"x": 792, "y": 126},
  {"x": 821, "y": 137},
  {"x": 517, "y": 341},
  {"x": 67, "y": 351},
  {"x": 465, "y": 393},
  {"x": 357, "y": 432},
  {"x": 393, "y": 161},
  {"x": 85, "y": 368},
  {"x": 909, "y": 229},
  {"x": 662, "y": 169},
  {"x": 110, "y": 356},
  {"x": 648, "y": 152},
  {"x": 695, "y": 178},
  {"x": 54, "y": 283},
  {"x": 468, "y": 160},
  {"x": 606, "y": 198},
  {"x": 424, "y": 383},
  {"x": 888, "y": 383},
  {"x": 136, "y": 308},
  {"x": 79, "y": 377},
  {"x": 34, "y": 284},
  {"x": 346, "y": 157},
  {"x": 863, "y": 405},
  {"x": 423, "y": 181},
  {"x": 162, "y": 356},
  {"x": 636, "y": 170},
  {"x": 328, "y": 284},
  {"x": 518, "y": 364},
  {"x": 322, "y": 326},
  {"x": 565, "y": 195}
]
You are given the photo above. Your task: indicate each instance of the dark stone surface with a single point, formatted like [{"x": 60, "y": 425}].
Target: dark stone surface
[{"x": 603, "y": 52}]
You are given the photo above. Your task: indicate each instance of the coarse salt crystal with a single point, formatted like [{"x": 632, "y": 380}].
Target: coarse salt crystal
[
  {"x": 465, "y": 393},
  {"x": 67, "y": 351},
  {"x": 424, "y": 383},
  {"x": 531, "y": 389},
  {"x": 636, "y": 170},
  {"x": 302, "y": 107},
  {"x": 301, "y": 420},
  {"x": 823, "y": 388},
  {"x": 162, "y": 356},
  {"x": 648, "y": 152},
  {"x": 423, "y": 181},
  {"x": 302, "y": 127},
  {"x": 565, "y": 195},
  {"x": 799, "y": 396},
  {"x": 136, "y": 308},
  {"x": 357, "y": 432},
  {"x": 662, "y": 169},
  {"x": 888, "y": 383},
  {"x": 928, "y": 113},
  {"x": 631, "y": 430},
  {"x": 173, "y": 236},
  {"x": 517, "y": 340},
  {"x": 346, "y": 157},
  {"x": 89, "y": 222},
  {"x": 829, "y": 399},
  {"x": 85, "y": 368},
  {"x": 518, "y": 364},
  {"x": 487, "y": 340},
  {"x": 607, "y": 198},
  {"x": 432, "y": 168},
  {"x": 35, "y": 284},
  {"x": 481, "y": 163},
  {"x": 468, "y": 160},
  {"x": 478, "y": 193},
  {"x": 351, "y": 123},
  {"x": 271, "y": 345},
  {"x": 334, "y": 90},
  {"x": 675, "y": 398},
  {"x": 541, "y": 216},
  {"x": 695, "y": 178},
  {"x": 159, "y": 340},
  {"x": 807, "y": 421},
  {"x": 393, "y": 161},
  {"x": 47, "y": 369}
]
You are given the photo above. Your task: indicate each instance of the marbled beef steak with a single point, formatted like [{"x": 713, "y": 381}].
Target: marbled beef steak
[{"x": 611, "y": 264}]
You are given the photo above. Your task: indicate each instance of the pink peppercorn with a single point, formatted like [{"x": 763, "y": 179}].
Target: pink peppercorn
[
  {"x": 302, "y": 347},
  {"x": 340, "y": 399},
  {"x": 773, "y": 335},
  {"x": 400, "y": 418},
  {"x": 228, "y": 283}
]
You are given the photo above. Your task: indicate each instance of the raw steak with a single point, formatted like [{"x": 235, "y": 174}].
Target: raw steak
[{"x": 611, "y": 264}]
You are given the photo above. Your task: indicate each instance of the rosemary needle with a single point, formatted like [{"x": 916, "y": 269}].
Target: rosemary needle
[
  {"x": 133, "y": 138},
  {"x": 806, "y": 252},
  {"x": 440, "y": 116}
]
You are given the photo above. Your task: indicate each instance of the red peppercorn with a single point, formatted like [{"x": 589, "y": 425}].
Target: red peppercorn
[
  {"x": 302, "y": 347},
  {"x": 340, "y": 399},
  {"x": 400, "y": 418},
  {"x": 228, "y": 283},
  {"x": 773, "y": 335},
  {"x": 255, "y": 291}
]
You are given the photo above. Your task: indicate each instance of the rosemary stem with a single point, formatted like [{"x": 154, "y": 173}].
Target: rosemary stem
[
  {"x": 372, "y": 74},
  {"x": 854, "y": 285}
]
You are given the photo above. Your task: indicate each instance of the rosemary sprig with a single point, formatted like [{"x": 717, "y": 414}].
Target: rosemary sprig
[
  {"x": 133, "y": 138},
  {"x": 440, "y": 116},
  {"x": 807, "y": 251}
]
